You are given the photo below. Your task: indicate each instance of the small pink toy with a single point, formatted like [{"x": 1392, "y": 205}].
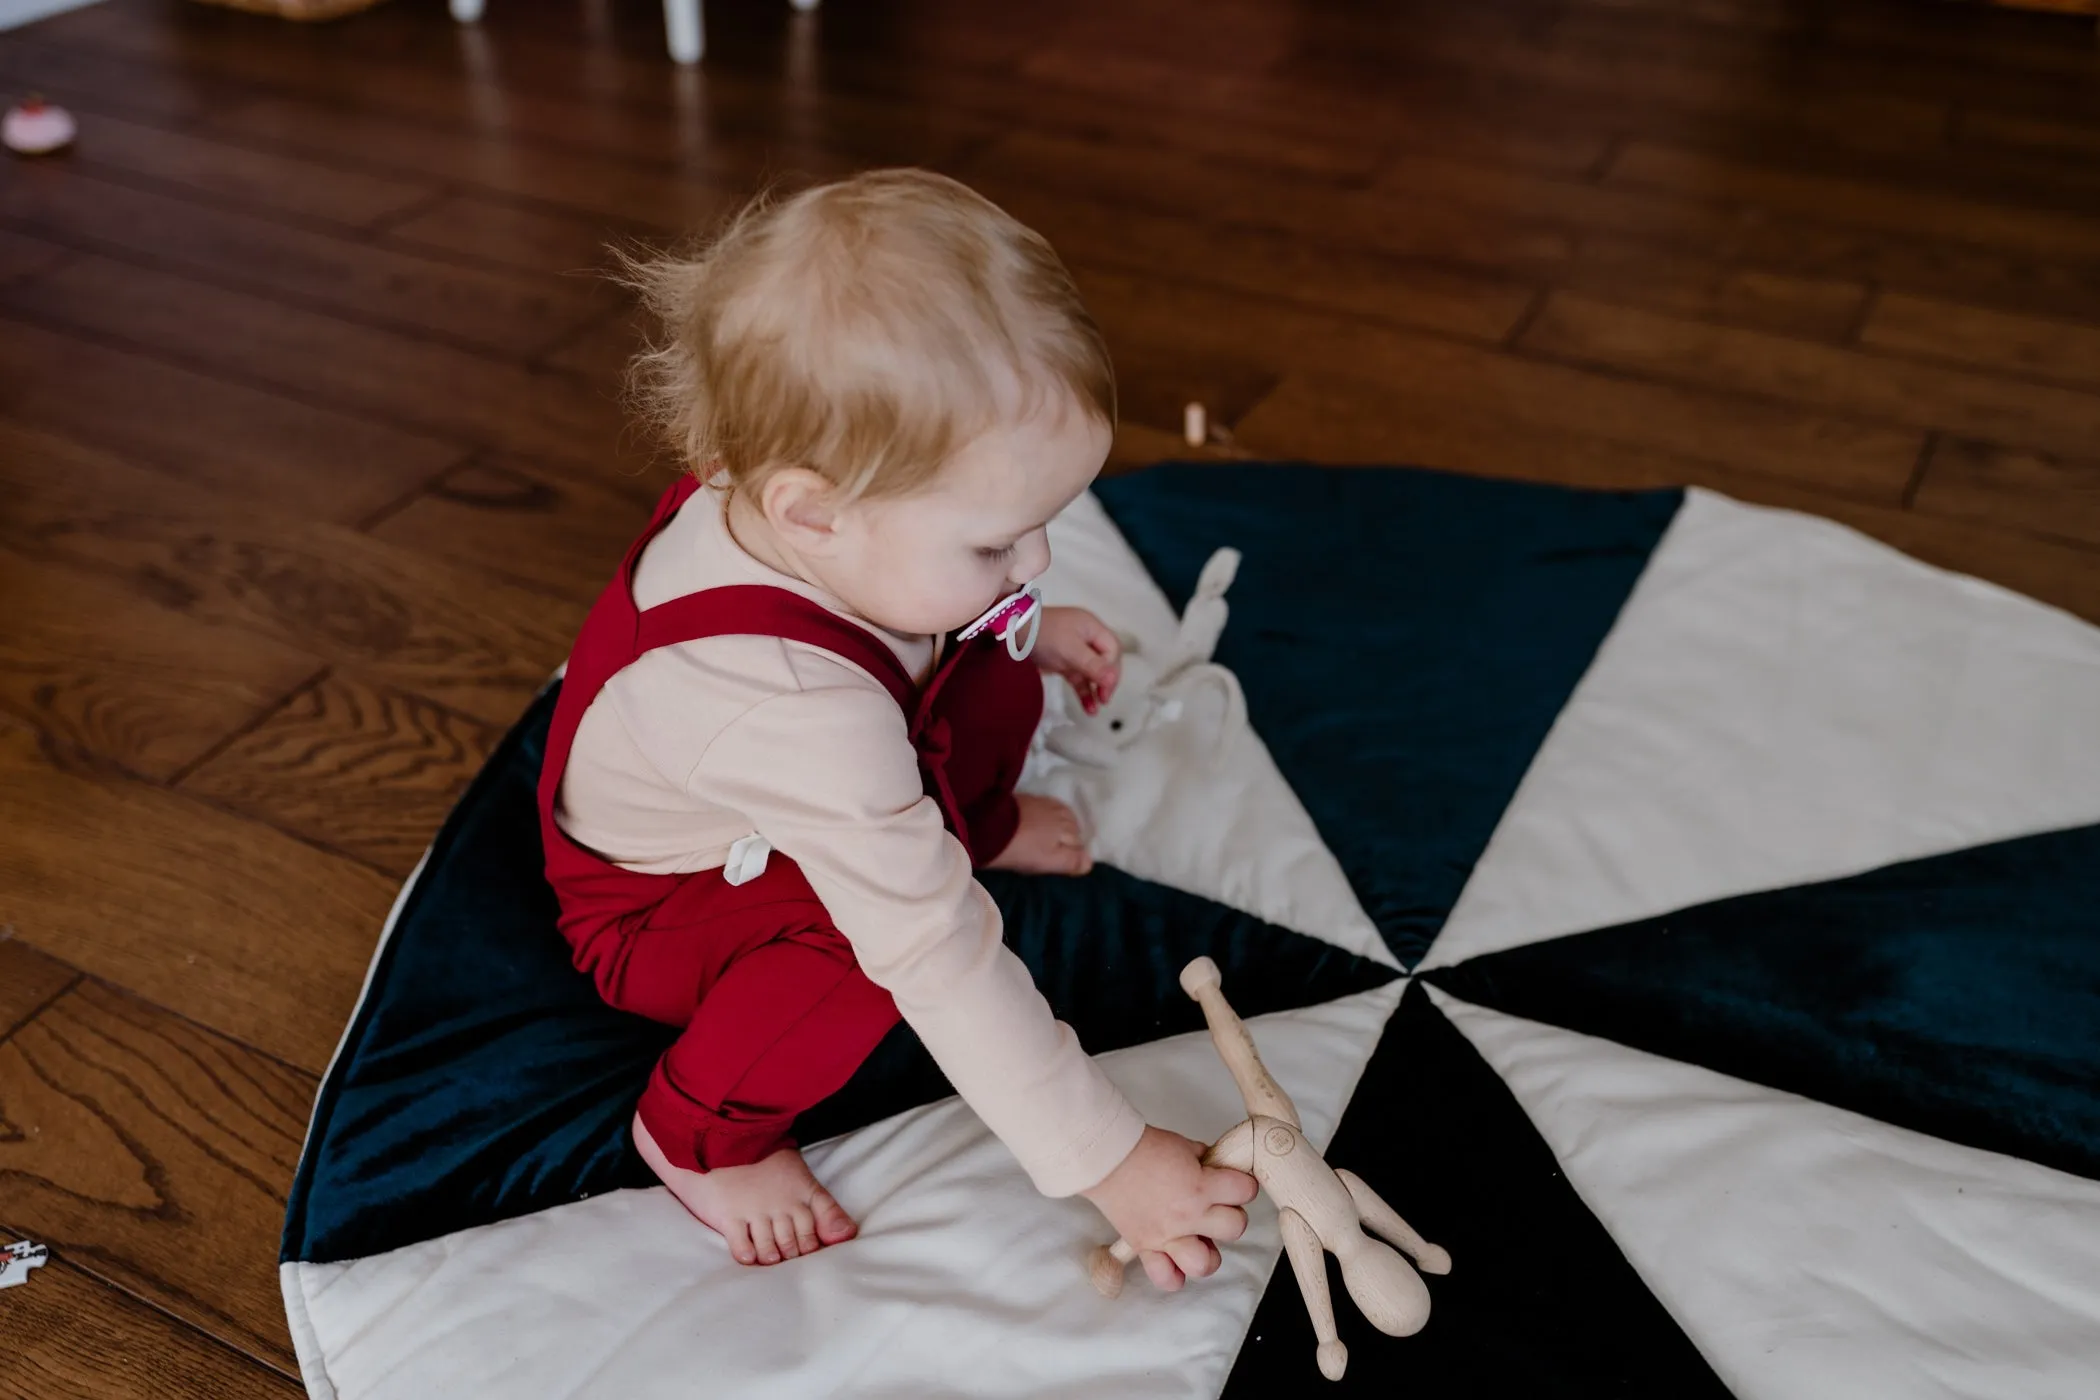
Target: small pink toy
[{"x": 36, "y": 128}]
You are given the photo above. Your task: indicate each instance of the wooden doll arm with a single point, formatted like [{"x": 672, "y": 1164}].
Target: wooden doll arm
[
  {"x": 1309, "y": 1263},
  {"x": 1383, "y": 1220}
]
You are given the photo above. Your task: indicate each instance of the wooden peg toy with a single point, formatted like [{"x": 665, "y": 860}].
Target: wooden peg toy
[{"x": 1323, "y": 1211}]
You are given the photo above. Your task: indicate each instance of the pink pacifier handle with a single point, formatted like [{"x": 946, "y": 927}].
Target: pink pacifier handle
[{"x": 1014, "y": 619}]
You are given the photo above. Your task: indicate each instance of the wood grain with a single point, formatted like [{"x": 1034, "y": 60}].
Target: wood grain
[
  {"x": 118, "y": 674},
  {"x": 232, "y": 924},
  {"x": 249, "y": 442},
  {"x": 2066, "y": 352},
  {"x": 352, "y": 767},
  {"x": 28, "y": 979},
  {"x": 346, "y": 599},
  {"x": 259, "y": 180},
  {"x": 2020, "y": 490},
  {"x": 1846, "y": 199},
  {"x": 1725, "y": 429},
  {"x": 496, "y": 310},
  {"x": 156, "y": 1156},
  {"x": 404, "y": 146},
  {"x": 520, "y": 521},
  {"x": 67, "y": 1337},
  {"x": 535, "y": 239},
  {"x": 1586, "y": 331},
  {"x": 443, "y": 391},
  {"x": 22, "y": 257},
  {"x": 1405, "y": 292}
]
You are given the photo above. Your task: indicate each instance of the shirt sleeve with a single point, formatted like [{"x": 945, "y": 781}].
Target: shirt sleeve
[{"x": 828, "y": 776}]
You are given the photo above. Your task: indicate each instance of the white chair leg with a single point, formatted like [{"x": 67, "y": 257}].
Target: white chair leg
[
  {"x": 684, "y": 32},
  {"x": 468, "y": 11}
]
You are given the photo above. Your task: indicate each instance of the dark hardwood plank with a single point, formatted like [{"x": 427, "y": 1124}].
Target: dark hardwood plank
[
  {"x": 354, "y": 767},
  {"x": 1707, "y": 220},
  {"x": 2064, "y": 351},
  {"x": 448, "y": 633},
  {"x": 155, "y": 1155},
  {"x": 228, "y": 922},
  {"x": 28, "y": 979},
  {"x": 2000, "y": 132},
  {"x": 67, "y": 1337},
  {"x": 1338, "y": 420},
  {"x": 1850, "y": 199},
  {"x": 1319, "y": 211},
  {"x": 1586, "y": 331},
  {"x": 1646, "y": 274},
  {"x": 1406, "y": 293},
  {"x": 264, "y": 447},
  {"x": 1776, "y": 439},
  {"x": 123, "y": 677},
  {"x": 535, "y": 239},
  {"x": 500, "y": 311},
  {"x": 2004, "y": 486},
  {"x": 22, "y": 258},
  {"x": 260, "y": 180},
  {"x": 600, "y": 353},
  {"x": 568, "y": 179},
  {"x": 441, "y": 390},
  {"x": 95, "y": 82},
  {"x": 520, "y": 521},
  {"x": 1382, "y": 117}
]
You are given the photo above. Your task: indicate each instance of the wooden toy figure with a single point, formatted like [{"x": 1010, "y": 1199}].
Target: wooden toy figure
[{"x": 1323, "y": 1210}]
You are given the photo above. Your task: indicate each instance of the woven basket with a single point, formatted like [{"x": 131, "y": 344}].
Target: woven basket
[{"x": 297, "y": 9}]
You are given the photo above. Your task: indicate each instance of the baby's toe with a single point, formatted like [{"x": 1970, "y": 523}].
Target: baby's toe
[
  {"x": 784, "y": 1234},
  {"x": 740, "y": 1247},
  {"x": 806, "y": 1230},
  {"x": 834, "y": 1226},
  {"x": 763, "y": 1237}
]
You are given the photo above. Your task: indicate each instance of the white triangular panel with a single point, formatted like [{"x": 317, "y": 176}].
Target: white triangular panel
[
  {"x": 965, "y": 1282},
  {"x": 1230, "y": 829},
  {"x": 1783, "y": 701},
  {"x": 1811, "y": 1253}
]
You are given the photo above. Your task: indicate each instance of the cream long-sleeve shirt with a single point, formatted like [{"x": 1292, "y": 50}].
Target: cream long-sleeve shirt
[{"x": 696, "y": 746}]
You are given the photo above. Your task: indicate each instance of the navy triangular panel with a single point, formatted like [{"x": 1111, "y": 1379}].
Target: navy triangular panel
[
  {"x": 1539, "y": 1300},
  {"x": 1958, "y": 995},
  {"x": 1405, "y": 639},
  {"x": 483, "y": 1079}
]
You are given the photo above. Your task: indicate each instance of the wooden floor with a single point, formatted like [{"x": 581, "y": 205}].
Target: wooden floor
[{"x": 311, "y": 454}]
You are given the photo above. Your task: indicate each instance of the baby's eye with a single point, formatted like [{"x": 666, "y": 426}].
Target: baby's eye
[{"x": 995, "y": 555}]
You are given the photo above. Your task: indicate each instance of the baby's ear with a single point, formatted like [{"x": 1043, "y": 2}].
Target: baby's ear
[{"x": 802, "y": 506}]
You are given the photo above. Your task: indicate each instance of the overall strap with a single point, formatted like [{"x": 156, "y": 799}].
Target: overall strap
[{"x": 757, "y": 609}]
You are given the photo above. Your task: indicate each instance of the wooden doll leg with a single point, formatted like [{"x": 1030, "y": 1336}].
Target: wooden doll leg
[
  {"x": 1309, "y": 1263},
  {"x": 1384, "y": 1221}
]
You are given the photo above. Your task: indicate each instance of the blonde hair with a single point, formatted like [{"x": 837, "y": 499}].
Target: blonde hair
[{"x": 868, "y": 330}]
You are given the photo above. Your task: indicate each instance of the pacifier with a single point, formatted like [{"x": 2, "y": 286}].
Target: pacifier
[{"x": 1014, "y": 619}]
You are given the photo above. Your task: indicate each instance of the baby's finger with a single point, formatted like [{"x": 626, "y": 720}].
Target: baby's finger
[
  {"x": 1224, "y": 1186},
  {"x": 1222, "y": 1223},
  {"x": 1194, "y": 1255},
  {"x": 1165, "y": 1274}
]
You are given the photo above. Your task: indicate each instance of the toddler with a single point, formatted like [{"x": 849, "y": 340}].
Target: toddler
[{"x": 774, "y": 763}]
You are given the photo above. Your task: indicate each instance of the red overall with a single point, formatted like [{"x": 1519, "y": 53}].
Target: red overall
[{"x": 776, "y": 1010}]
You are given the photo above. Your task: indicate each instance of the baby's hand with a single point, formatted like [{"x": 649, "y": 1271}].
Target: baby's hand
[
  {"x": 1080, "y": 647},
  {"x": 1170, "y": 1207}
]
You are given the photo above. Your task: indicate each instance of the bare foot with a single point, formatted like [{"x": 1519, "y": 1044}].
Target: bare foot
[
  {"x": 768, "y": 1211},
  {"x": 1049, "y": 841}
]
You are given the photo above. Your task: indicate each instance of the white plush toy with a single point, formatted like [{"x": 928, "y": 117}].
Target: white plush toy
[{"x": 1172, "y": 715}]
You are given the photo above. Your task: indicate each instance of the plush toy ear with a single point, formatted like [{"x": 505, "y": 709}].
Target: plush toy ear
[
  {"x": 1212, "y": 702},
  {"x": 1203, "y": 622}
]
